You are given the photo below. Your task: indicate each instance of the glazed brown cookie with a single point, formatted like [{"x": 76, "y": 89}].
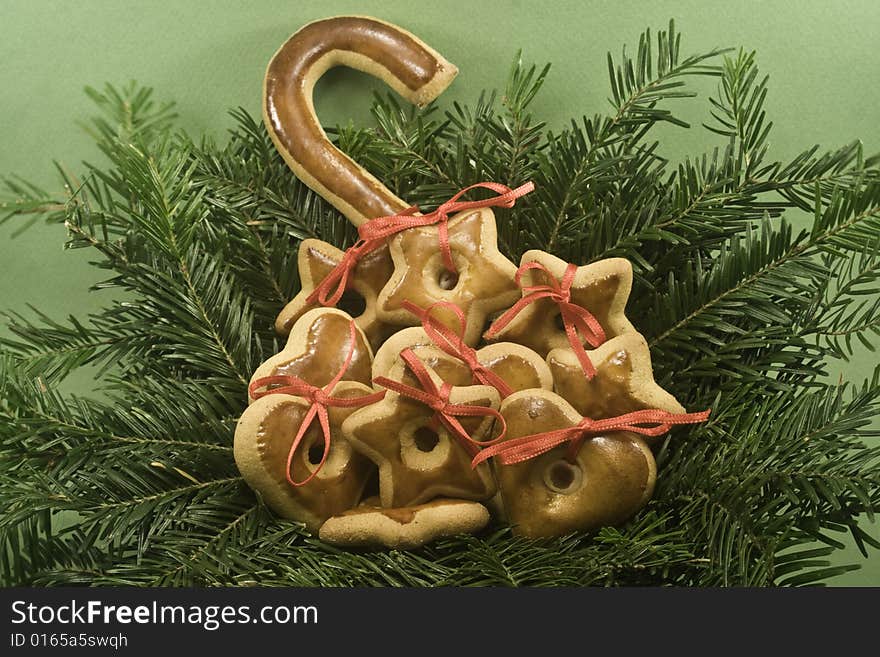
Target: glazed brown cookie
[
  {"x": 418, "y": 455},
  {"x": 316, "y": 260},
  {"x": 518, "y": 367},
  {"x": 601, "y": 288},
  {"x": 317, "y": 349},
  {"x": 624, "y": 380},
  {"x": 404, "y": 528},
  {"x": 608, "y": 479},
  {"x": 390, "y": 53},
  {"x": 482, "y": 284},
  {"x": 263, "y": 439}
]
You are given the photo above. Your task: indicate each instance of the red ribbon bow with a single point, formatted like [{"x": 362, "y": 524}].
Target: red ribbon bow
[
  {"x": 577, "y": 320},
  {"x": 437, "y": 399},
  {"x": 524, "y": 448},
  {"x": 452, "y": 343},
  {"x": 319, "y": 398},
  {"x": 374, "y": 233}
]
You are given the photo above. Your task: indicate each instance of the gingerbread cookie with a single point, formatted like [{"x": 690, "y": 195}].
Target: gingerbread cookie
[
  {"x": 401, "y": 60},
  {"x": 505, "y": 366},
  {"x": 624, "y": 380},
  {"x": 560, "y": 300},
  {"x": 316, "y": 349},
  {"x": 478, "y": 279},
  {"x": 607, "y": 480},
  {"x": 369, "y": 275},
  {"x": 264, "y": 440},
  {"x": 423, "y": 435},
  {"x": 407, "y": 527}
]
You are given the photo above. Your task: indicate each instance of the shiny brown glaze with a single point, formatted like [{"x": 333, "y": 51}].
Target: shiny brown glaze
[
  {"x": 613, "y": 474},
  {"x": 317, "y": 259},
  {"x": 485, "y": 278},
  {"x": 317, "y": 352},
  {"x": 624, "y": 381},
  {"x": 607, "y": 394},
  {"x": 365, "y": 43},
  {"x": 340, "y": 482},
  {"x": 409, "y": 474},
  {"x": 541, "y": 328}
]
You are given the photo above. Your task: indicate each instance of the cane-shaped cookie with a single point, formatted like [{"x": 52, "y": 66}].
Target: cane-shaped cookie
[
  {"x": 408, "y": 66},
  {"x": 405, "y": 63}
]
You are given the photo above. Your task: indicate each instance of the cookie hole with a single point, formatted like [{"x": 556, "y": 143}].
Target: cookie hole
[
  {"x": 353, "y": 303},
  {"x": 563, "y": 477},
  {"x": 447, "y": 280},
  {"x": 316, "y": 453},
  {"x": 558, "y": 322},
  {"x": 425, "y": 439}
]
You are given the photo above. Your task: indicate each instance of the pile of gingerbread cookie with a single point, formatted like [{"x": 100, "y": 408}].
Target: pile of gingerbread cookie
[{"x": 428, "y": 383}]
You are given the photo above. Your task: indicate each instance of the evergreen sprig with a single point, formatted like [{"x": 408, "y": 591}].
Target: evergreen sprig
[{"x": 743, "y": 312}]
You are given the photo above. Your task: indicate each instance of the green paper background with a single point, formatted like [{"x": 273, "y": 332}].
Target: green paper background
[{"x": 209, "y": 56}]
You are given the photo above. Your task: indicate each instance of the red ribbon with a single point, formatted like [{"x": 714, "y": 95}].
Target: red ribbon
[
  {"x": 319, "y": 398},
  {"x": 374, "y": 233},
  {"x": 524, "y": 448},
  {"x": 437, "y": 399},
  {"x": 576, "y": 319},
  {"x": 452, "y": 342}
]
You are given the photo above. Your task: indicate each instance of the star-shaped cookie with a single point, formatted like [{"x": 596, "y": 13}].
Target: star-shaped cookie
[
  {"x": 483, "y": 283},
  {"x": 609, "y": 478},
  {"x": 317, "y": 348},
  {"x": 624, "y": 381},
  {"x": 315, "y": 260},
  {"x": 418, "y": 458},
  {"x": 602, "y": 288}
]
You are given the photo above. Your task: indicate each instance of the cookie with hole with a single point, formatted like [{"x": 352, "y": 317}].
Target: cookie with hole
[
  {"x": 603, "y": 481},
  {"x": 561, "y": 303},
  {"x": 481, "y": 283},
  {"x": 315, "y": 261},
  {"x": 317, "y": 348},
  {"x": 424, "y": 434},
  {"x": 300, "y": 481},
  {"x": 405, "y": 527}
]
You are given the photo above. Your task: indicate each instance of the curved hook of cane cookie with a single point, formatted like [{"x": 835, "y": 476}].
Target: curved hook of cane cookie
[{"x": 406, "y": 64}]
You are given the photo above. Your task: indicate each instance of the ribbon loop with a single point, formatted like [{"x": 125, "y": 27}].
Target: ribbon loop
[
  {"x": 451, "y": 342},
  {"x": 319, "y": 399},
  {"x": 647, "y": 422},
  {"x": 580, "y": 324},
  {"x": 437, "y": 399},
  {"x": 375, "y": 232}
]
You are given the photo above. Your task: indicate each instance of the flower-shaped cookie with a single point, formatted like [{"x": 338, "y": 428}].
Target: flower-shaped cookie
[
  {"x": 316, "y": 350},
  {"x": 424, "y": 447},
  {"x": 315, "y": 261},
  {"x": 624, "y": 380}
]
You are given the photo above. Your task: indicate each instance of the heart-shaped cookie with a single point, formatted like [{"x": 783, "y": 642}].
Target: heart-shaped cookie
[
  {"x": 317, "y": 349},
  {"x": 263, "y": 439},
  {"x": 608, "y": 479}
]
